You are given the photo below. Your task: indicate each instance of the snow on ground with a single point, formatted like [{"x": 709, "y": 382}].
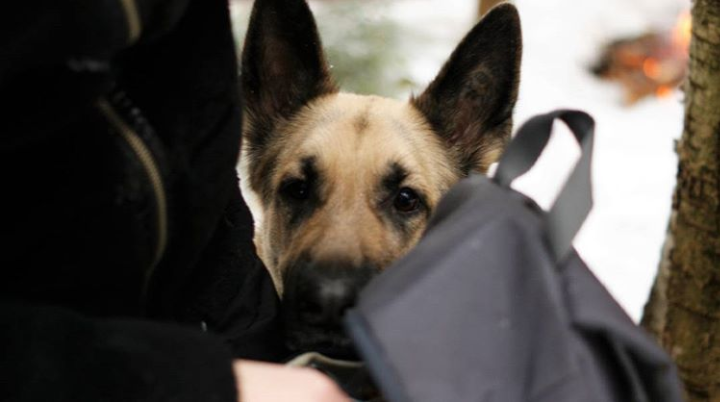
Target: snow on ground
[{"x": 634, "y": 160}]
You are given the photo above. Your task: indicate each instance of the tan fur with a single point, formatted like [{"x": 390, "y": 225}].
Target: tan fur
[{"x": 353, "y": 138}]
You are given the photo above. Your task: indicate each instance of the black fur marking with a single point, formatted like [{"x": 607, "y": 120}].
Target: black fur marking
[
  {"x": 470, "y": 102},
  {"x": 299, "y": 210},
  {"x": 394, "y": 177}
]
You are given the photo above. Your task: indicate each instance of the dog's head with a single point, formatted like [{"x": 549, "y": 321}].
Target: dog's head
[{"x": 346, "y": 183}]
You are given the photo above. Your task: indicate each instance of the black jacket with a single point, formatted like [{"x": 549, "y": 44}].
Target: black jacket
[{"x": 126, "y": 236}]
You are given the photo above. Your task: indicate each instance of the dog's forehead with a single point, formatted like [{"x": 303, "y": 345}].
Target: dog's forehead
[
  {"x": 345, "y": 131},
  {"x": 356, "y": 120}
]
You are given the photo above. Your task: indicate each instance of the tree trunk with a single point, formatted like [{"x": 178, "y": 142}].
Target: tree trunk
[
  {"x": 485, "y": 5},
  {"x": 684, "y": 308}
]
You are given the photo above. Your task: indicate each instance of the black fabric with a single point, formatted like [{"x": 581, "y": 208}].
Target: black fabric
[
  {"x": 87, "y": 312},
  {"x": 231, "y": 292},
  {"x": 481, "y": 310},
  {"x": 62, "y": 356}
]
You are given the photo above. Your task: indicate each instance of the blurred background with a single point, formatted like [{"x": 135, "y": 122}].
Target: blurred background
[{"x": 620, "y": 60}]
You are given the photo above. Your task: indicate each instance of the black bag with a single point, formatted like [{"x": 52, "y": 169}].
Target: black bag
[{"x": 495, "y": 305}]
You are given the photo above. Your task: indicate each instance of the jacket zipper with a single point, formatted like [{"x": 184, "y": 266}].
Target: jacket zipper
[
  {"x": 132, "y": 18},
  {"x": 152, "y": 170}
]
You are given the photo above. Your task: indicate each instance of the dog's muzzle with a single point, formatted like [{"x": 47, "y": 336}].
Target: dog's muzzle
[{"x": 316, "y": 297}]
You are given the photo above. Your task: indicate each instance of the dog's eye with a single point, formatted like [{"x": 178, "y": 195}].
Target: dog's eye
[
  {"x": 406, "y": 200},
  {"x": 297, "y": 190}
]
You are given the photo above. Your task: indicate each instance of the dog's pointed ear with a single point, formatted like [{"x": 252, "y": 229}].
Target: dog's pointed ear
[
  {"x": 471, "y": 101},
  {"x": 283, "y": 65}
]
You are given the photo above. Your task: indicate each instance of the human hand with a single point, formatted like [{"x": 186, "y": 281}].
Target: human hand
[{"x": 261, "y": 382}]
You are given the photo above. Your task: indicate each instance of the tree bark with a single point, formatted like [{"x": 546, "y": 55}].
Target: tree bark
[
  {"x": 485, "y": 5},
  {"x": 684, "y": 308}
]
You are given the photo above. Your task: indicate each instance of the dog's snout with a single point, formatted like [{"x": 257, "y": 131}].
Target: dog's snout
[
  {"x": 320, "y": 293},
  {"x": 325, "y": 302}
]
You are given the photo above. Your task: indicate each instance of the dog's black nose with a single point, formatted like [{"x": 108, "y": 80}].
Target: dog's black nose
[
  {"x": 320, "y": 293},
  {"x": 325, "y": 302},
  {"x": 316, "y": 297}
]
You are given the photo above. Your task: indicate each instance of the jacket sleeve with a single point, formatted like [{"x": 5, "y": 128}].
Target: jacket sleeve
[
  {"x": 230, "y": 292},
  {"x": 54, "y": 354}
]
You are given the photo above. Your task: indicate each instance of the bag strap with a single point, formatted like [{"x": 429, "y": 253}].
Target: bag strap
[{"x": 575, "y": 200}]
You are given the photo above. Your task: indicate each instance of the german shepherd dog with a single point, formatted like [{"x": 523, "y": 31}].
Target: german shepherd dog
[{"x": 345, "y": 183}]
